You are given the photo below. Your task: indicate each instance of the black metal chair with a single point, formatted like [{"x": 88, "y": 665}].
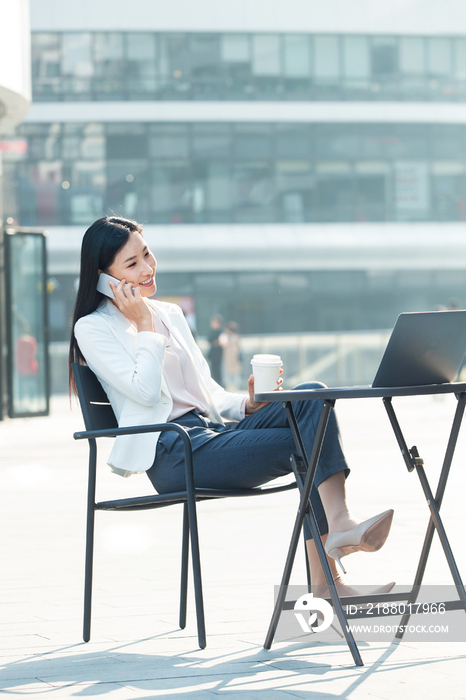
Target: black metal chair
[{"x": 100, "y": 421}]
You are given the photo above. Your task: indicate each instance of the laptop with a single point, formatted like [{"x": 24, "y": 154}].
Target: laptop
[{"x": 425, "y": 347}]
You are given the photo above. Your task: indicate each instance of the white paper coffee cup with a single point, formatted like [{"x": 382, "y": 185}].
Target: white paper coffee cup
[{"x": 266, "y": 370}]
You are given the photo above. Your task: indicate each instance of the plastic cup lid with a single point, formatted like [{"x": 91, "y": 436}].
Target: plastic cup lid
[{"x": 267, "y": 360}]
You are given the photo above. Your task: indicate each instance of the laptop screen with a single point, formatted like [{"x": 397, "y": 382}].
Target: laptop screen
[{"x": 425, "y": 347}]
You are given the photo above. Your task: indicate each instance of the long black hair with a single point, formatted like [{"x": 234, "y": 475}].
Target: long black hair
[{"x": 101, "y": 243}]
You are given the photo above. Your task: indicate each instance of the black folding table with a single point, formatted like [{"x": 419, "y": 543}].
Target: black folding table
[{"x": 304, "y": 467}]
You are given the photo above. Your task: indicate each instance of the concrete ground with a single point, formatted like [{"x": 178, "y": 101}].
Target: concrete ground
[{"x": 136, "y": 650}]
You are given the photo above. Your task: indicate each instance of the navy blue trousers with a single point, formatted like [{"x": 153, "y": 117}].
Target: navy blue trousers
[{"x": 249, "y": 453}]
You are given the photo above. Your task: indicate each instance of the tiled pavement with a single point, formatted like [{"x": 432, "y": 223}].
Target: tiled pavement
[{"x": 136, "y": 650}]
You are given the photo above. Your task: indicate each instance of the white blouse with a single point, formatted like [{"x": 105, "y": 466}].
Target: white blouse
[{"x": 180, "y": 376}]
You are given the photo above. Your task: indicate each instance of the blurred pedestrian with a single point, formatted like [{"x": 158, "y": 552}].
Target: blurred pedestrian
[
  {"x": 232, "y": 357},
  {"x": 454, "y": 304},
  {"x": 217, "y": 341}
]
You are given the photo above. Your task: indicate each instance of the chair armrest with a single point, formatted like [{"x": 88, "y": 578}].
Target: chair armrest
[
  {"x": 130, "y": 430},
  {"x": 155, "y": 428}
]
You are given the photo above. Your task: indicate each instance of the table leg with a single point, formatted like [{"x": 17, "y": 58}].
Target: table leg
[
  {"x": 436, "y": 504},
  {"x": 304, "y": 505},
  {"x": 435, "y": 521}
]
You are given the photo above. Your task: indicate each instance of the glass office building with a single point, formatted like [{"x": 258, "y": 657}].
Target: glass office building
[
  {"x": 226, "y": 65},
  {"x": 191, "y": 173},
  {"x": 225, "y": 130}
]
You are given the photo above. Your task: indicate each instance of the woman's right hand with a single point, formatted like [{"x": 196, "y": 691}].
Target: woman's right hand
[{"x": 133, "y": 306}]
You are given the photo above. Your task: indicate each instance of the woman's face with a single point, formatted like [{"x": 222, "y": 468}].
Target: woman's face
[{"x": 136, "y": 264}]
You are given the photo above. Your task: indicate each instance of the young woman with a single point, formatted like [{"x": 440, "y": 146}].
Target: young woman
[{"x": 145, "y": 357}]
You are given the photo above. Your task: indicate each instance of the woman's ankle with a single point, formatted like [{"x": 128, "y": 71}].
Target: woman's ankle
[{"x": 342, "y": 521}]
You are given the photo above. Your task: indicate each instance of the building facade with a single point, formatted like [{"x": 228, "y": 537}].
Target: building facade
[
  {"x": 15, "y": 73},
  {"x": 15, "y": 70},
  {"x": 297, "y": 167},
  {"x": 15, "y": 99}
]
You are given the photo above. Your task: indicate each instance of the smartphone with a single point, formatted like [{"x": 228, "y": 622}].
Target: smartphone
[{"x": 103, "y": 287}]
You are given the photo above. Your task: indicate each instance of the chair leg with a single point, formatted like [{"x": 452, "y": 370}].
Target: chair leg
[
  {"x": 306, "y": 560},
  {"x": 89, "y": 541},
  {"x": 184, "y": 567},
  {"x": 196, "y": 559},
  {"x": 193, "y": 532}
]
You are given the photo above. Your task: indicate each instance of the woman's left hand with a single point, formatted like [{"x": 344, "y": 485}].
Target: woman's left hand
[{"x": 253, "y": 406}]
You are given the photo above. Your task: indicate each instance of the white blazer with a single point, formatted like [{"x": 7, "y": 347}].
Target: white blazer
[{"x": 129, "y": 365}]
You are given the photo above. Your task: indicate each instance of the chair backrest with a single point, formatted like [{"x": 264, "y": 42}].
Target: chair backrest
[{"x": 95, "y": 406}]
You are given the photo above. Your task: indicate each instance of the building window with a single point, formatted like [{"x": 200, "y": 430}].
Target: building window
[
  {"x": 246, "y": 66},
  {"x": 63, "y": 174}
]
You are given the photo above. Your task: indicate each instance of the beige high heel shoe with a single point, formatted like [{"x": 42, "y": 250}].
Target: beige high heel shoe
[
  {"x": 386, "y": 588},
  {"x": 345, "y": 590},
  {"x": 368, "y": 536}
]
